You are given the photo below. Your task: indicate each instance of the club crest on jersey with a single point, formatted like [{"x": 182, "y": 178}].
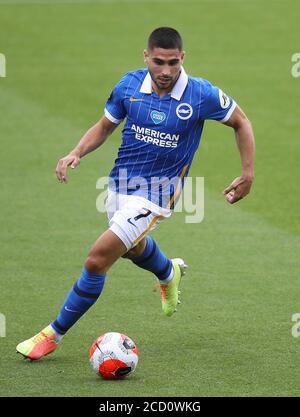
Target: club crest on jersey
[
  {"x": 157, "y": 116},
  {"x": 184, "y": 111}
]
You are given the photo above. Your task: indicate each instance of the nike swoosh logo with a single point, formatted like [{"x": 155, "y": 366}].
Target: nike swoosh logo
[
  {"x": 72, "y": 311},
  {"x": 129, "y": 221},
  {"x": 132, "y": 99}
]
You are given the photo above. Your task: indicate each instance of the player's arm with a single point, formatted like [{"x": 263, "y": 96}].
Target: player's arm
[
  {"x": 240, "y": 186},
  {"x": 90, "y": 141}
]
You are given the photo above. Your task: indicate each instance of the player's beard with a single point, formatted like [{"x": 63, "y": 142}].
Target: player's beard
[{"x": 168, "y": 85}]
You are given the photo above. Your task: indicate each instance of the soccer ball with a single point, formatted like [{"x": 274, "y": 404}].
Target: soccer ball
[{"x": 113, "y": 355}]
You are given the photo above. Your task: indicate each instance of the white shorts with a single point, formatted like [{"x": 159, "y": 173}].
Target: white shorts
[{"x": 132, "y": 217}]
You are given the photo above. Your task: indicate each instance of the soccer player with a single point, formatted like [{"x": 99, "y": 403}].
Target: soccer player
[{"x": 165, "y": 110}]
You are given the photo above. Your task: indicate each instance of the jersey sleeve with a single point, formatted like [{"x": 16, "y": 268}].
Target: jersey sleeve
[
  {"x": 115, "y": 110},
  {"x": 216, "y": 105}
]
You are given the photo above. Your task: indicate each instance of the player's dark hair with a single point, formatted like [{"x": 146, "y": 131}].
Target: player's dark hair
[{"x": 166, "y": 38}]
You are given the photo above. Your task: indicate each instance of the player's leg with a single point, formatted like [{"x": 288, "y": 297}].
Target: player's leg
[
  {"x": 134, "y": 219},
  {"x": 147, "y": 255},
  {"x": 105, "y": 251}
]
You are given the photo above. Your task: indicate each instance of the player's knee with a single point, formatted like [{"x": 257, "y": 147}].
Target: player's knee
[
  {"x": 136, "y": 251},
  {"x": 128, "y": 255},
  {"x": 96, "y": 264}
]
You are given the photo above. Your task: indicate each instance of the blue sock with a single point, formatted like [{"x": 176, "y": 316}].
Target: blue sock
[
  {"x": 154, "y": 260},
  {"x": 81, "y": 297}
]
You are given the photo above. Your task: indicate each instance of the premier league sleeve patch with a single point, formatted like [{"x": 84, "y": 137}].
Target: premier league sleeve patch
[
  {"x": 224, "y": 100},
  {"x": 215, "y": 104}
]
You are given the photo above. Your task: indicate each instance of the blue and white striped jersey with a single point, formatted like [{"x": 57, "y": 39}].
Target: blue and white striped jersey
[{"x": 161, "y": 134}]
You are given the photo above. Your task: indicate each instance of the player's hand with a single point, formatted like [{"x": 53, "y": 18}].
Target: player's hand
[
  {"x": 238, "y": 189},
  {"x": 72, "y": 160}
]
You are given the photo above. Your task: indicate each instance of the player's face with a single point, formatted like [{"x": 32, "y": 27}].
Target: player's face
[{"x": 164, "y": 66}]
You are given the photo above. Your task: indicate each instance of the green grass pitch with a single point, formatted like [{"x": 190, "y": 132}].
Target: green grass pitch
[{"x": 232, "y": 335}]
